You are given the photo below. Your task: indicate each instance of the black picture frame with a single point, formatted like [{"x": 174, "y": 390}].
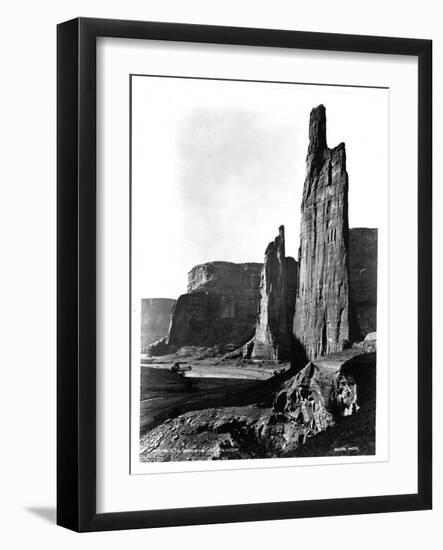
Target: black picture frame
[{"x": 76, "y": 279}]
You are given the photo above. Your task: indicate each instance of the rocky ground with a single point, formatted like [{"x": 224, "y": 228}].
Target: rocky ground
[
  {"x": 325, "y": 409},
  {"x": 213, "y": 381},
  {"x": 351, "y": 435}
]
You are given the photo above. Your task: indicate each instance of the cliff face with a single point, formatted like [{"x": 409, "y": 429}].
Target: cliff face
[
  {"x": 273, "y": 335},
  {"x": 321, "y": 321},
  {"x": 221, "y": 305},
  {"x": 155, "y": 318},
  {"x": 363, "y": 279}
]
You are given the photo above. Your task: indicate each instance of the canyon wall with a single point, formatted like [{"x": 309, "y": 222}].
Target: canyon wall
[
  {"x": 321, "y": 321},
  {"x": 363, "y": 279},
  {"x": 220, "y": 307},
  {"x": 155, "y": 317}
]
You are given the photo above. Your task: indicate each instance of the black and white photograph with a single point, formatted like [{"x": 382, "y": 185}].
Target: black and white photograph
[
  {"x": 258, "y": 217},
  {"x": 221, "y": 274}
]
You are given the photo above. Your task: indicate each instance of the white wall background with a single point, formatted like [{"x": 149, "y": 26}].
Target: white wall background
[{"x": 27, "y": 275}]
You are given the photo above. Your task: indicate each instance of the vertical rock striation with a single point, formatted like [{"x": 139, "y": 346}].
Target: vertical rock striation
[
  {"x": 321, "y": 321},
  {"x": 273, "y": 336}
]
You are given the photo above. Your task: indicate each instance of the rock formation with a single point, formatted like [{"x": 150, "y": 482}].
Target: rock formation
[
  {"x": 321, "y": 321},
  {"x": 326, "y": 388},
  {"x": 155, "y": 317},
  {"x": 221, "y": 305},
  {"x": 363, "y": 279},
  {"x": 273, "y": 332}
]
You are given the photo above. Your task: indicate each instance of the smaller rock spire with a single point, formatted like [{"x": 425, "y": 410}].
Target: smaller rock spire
[{"x": 273, "y": 337}]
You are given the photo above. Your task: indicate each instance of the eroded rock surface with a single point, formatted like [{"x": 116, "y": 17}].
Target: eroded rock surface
[
  {"x": 210, "y": 434},
  {"x": 321, "y": 321},
  {"x": 326, "y": 389},
  {"x": 220, "y": 307},
  {"x": 155, "y": 317}
]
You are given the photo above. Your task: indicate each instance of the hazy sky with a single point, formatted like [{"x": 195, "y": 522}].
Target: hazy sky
[{"x": 217, "y": 166}]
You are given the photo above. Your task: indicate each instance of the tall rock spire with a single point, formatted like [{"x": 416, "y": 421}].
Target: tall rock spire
[{"x": 321, "y": 320}]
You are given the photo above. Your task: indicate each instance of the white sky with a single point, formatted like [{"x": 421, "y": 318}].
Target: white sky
[{"x": 217, "y": 166}]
